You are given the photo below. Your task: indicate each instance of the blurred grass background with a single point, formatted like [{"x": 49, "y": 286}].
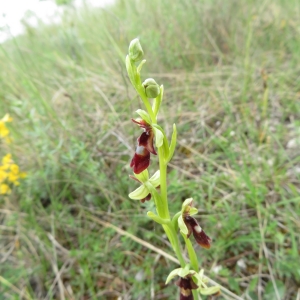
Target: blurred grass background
[{"x": 231, "y": 75}]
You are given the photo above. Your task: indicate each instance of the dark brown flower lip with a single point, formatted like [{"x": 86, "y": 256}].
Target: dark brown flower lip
[
  {"x": 145, "y": 146},
  {"x": 200, "y": 236},
  {"x": 146, "y": 140},
  {"x": 140, "y": 160},
  {"x": 147, "y": 198},
  {"x": 186, "y": 286}
]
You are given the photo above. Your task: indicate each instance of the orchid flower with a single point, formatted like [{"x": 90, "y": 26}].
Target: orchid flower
[
  {"x": 145, "y": 143},
  {"x": 189, "y": 225},
  {"x": 143, "y": 192},
  {"x": 191, "y": 280}
]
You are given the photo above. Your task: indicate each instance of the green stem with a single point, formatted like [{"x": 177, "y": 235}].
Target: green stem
[
  {"x": 157, "y": 200},
  {"x": 147, "y": 104},
  {"x": 195, "y": 294},
  {"x": 192, "y": 254},
  {"x": 169, "y": 229},
  {"x": 164, "y": 212},
  {"x": 163, "y": 183},
  {"x": 176, "y": 246}
]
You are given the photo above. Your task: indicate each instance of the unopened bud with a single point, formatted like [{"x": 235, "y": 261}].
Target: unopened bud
[
  {"x": 152, "y": 89},
  {"x": 136, "y": 52}
]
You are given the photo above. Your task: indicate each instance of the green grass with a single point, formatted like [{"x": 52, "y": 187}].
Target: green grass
[{"x": 231, "y": 76}]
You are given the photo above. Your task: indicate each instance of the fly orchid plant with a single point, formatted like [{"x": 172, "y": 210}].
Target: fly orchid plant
[{"x": 153, "y": 141}]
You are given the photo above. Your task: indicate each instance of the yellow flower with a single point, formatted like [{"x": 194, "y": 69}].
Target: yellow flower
[
  {"x": 4, "y": 189},
  {"x": 13, "y": 177},
  {"x": 6, "y": 160},
  {"x": 9, "y": 173},
  {"x": 3, "y": 130},
  {"x": 3, "y": 175},
  {"x": 4, "y": 168},
  {"x": 14, "y": 169}
]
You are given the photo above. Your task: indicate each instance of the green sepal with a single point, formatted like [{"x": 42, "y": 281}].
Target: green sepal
[
  {"x": 185, "y": 271},
  {"x": 173, "y": 143},
  {"x": 187, "y": 202},
  {"x": 165, "y": 141},
  {"x": 183, "y": 228},
  {"x": 159, "y": 137},
  {"x": 173, "y": 274},
  {"x": 193, "y": 211},
  {"x": 209, "y": 290},
  {"x": 144, "y": 115},
  {"x": 143, "y": 176},
  {"x": 181, "y": 272},
  {"x": 140, "y": 193},
  {"x": 157, "y": 218},
  {"x": 175, "y": 220},
  {"x": 157, "y": 101},
  {"x": 155, "y": 179}
]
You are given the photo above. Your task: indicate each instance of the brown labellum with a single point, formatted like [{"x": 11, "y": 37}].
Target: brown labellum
[
  {"x": 200, "y": 236},
  {"x": 186, "y": 286}
]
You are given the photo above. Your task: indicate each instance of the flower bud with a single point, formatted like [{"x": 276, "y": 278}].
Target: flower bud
[
  {"x": 152, "y": 89},
  {"x": 136, "y": 52}
]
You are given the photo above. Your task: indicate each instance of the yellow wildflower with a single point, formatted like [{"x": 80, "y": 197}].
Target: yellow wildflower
[
  {"x": 4, "y": 132},
  {"x": 13, "y": 177},
  {"x": 3, "y": 175},
  {"x": 7, "y": 160},
  {"x": 9, "y": 171},
  {"x": 4, "y": 167},
  {"x": 14, "y": 169},
  {"x": 4, "y": 189}
]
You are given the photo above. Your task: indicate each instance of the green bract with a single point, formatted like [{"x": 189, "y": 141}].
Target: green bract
[{"x": 157, "y": 218}]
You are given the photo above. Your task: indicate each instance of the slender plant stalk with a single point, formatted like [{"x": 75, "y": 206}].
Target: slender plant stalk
[{"x": 190, "y": 277}]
